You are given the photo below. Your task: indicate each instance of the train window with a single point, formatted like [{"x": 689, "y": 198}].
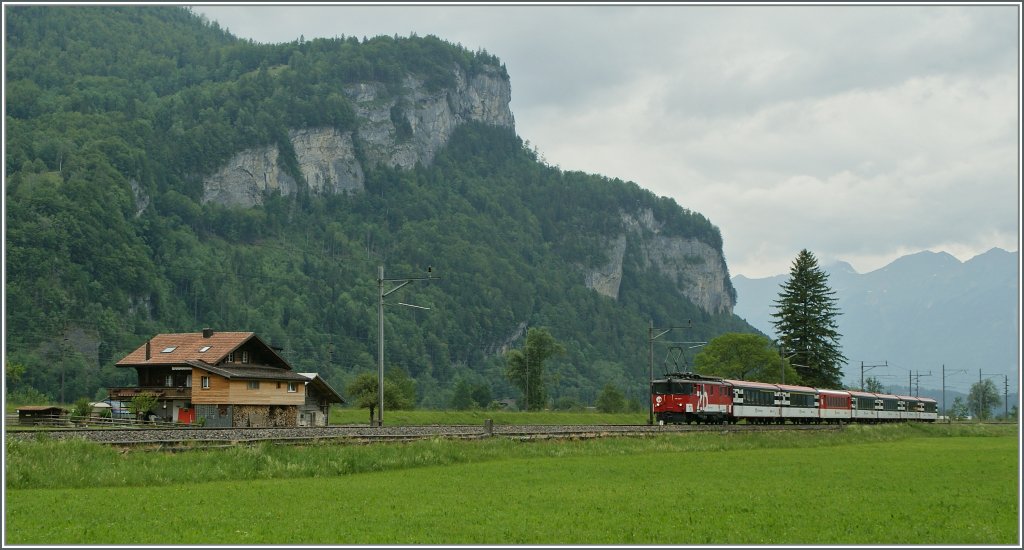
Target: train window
[
  {"x": 801, "y": 400},
  {"x": 661, "y": 388},
  {"x": 682, "y": 388},
  {"x": 758, "y": 397}
]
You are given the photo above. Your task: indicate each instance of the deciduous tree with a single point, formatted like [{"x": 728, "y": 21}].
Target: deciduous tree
[
  {"x": 983, "y": 396},
  {"x": 142, "y": 404},
  {"x": 873, "y": 385},
  {"x": 611, "y": 400},
  {"x": 363, "y": 391},
  {"x": 959, "y": 409},
  {"x": 743, "y": 357},
  {"x": 525, "y": 367}
]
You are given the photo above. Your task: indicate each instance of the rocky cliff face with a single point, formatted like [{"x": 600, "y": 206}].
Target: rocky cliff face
[
  {"x": 698, "y": 269},
  {"x": 397, "y": 130},
  {"x": 409, "y": 128}
]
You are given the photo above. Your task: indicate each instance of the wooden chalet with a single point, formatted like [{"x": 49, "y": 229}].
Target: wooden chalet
[
  {"x": 227, "y": 379},
  {"x": 319, "y": 396}
]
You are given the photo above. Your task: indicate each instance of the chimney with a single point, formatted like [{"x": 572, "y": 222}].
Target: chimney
[
  {"x": 207, "y": 332},
  {"x": 147, "y": 350}
]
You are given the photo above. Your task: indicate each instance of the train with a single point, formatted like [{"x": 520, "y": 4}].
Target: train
[{"x": 686, "y": 397}]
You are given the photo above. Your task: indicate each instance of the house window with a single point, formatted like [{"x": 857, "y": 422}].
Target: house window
[
  {"x": 206, "y": 411},
  {"x": 245, "y": 357},
  {"x": 230, "y": 358},
  {"x": 206, "y": 382},
  {"x": 169, "y": 349},
  {"x": 254, "y": 384},
  {"x": 188, "y": 380},
  {"x": 204, "y": 349},
  {"x": 168, "y": 381},
  {"x": 292, "y": 387}
]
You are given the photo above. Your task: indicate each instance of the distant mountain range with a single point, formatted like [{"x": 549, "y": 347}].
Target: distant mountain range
[{"x": 914, "y": 316}]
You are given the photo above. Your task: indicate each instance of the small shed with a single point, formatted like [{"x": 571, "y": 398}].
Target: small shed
[
  {"x": 101, "y": 408},
  {"x": 38, "y": 414}
]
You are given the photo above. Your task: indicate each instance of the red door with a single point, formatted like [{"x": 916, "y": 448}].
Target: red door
[{"x": 186, "y": 416}]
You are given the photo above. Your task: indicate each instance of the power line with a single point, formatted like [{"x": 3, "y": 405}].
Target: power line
[
  {"x": 869, "y": 367},
  {"x": 918, "y": 378}
]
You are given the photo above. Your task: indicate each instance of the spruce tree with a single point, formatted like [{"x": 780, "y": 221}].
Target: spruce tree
[{"x": 805, "y": 322}]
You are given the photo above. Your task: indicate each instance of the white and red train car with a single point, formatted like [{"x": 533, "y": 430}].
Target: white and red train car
[{"x": 689, "y": 397}]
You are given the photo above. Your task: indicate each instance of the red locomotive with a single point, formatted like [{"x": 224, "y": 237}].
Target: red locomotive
[{"x": 686, "y": 397}]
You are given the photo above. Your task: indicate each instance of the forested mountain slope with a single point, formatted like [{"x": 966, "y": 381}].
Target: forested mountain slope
[{"x": 162, "y": 175}]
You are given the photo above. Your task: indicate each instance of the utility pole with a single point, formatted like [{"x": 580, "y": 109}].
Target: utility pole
[
  {"x": 526, "y": 353},
  {"x": 63, "y": 364},
  {"x": 650, "y": 361},
  {"x": 782, "y": 353},
  {"x": 981, "y": 392},
  {"x": 958, "y": 371},
  {"x": 981, "y": 396},
  {"x": 380, "y": 326},
  {"x": 869, "y": 367},
  {"x": 918, "y": 376},
  {"x": 1006, "y": 395}
]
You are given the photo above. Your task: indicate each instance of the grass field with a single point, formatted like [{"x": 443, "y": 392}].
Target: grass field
[
  {"x": 426, "y": 417},
  {"x": 862, "y": 485}
]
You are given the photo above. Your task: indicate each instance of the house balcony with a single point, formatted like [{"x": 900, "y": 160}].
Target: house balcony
[{"x": 161, "y": 392}]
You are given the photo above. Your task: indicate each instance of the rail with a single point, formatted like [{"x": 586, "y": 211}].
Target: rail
[
  {"x": 215, "y": 437},
  {"x": 86, "y": 422}
]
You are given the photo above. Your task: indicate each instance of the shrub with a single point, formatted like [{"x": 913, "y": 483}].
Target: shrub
[
  {"x": 142, "y": 404},
  {"x": 611, "y": 400},
  {"x": 82, "y": 408}
]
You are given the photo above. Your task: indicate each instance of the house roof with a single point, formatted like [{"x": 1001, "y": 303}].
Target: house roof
[
  {"x": 208, "y": 347},
  {"x": 40, "y": 408},
  {"x": 323, "y": 386},
  {"x": 248, "y": 372}
]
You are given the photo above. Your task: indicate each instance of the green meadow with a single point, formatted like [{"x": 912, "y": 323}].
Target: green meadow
[
  {"x": 902, "y": 484},
  {"x": 426, "y": 417}
]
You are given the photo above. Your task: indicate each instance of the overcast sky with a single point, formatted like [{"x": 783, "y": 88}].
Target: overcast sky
[{"x": 861, "y": 133}]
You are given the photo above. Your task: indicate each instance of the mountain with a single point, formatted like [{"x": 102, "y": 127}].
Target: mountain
[
  {"x": 163, "y": 175},
  {"x": 918, "y": 313}
]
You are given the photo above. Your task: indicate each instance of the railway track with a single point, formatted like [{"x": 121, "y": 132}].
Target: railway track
[{"x": 206, "y": 438}]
